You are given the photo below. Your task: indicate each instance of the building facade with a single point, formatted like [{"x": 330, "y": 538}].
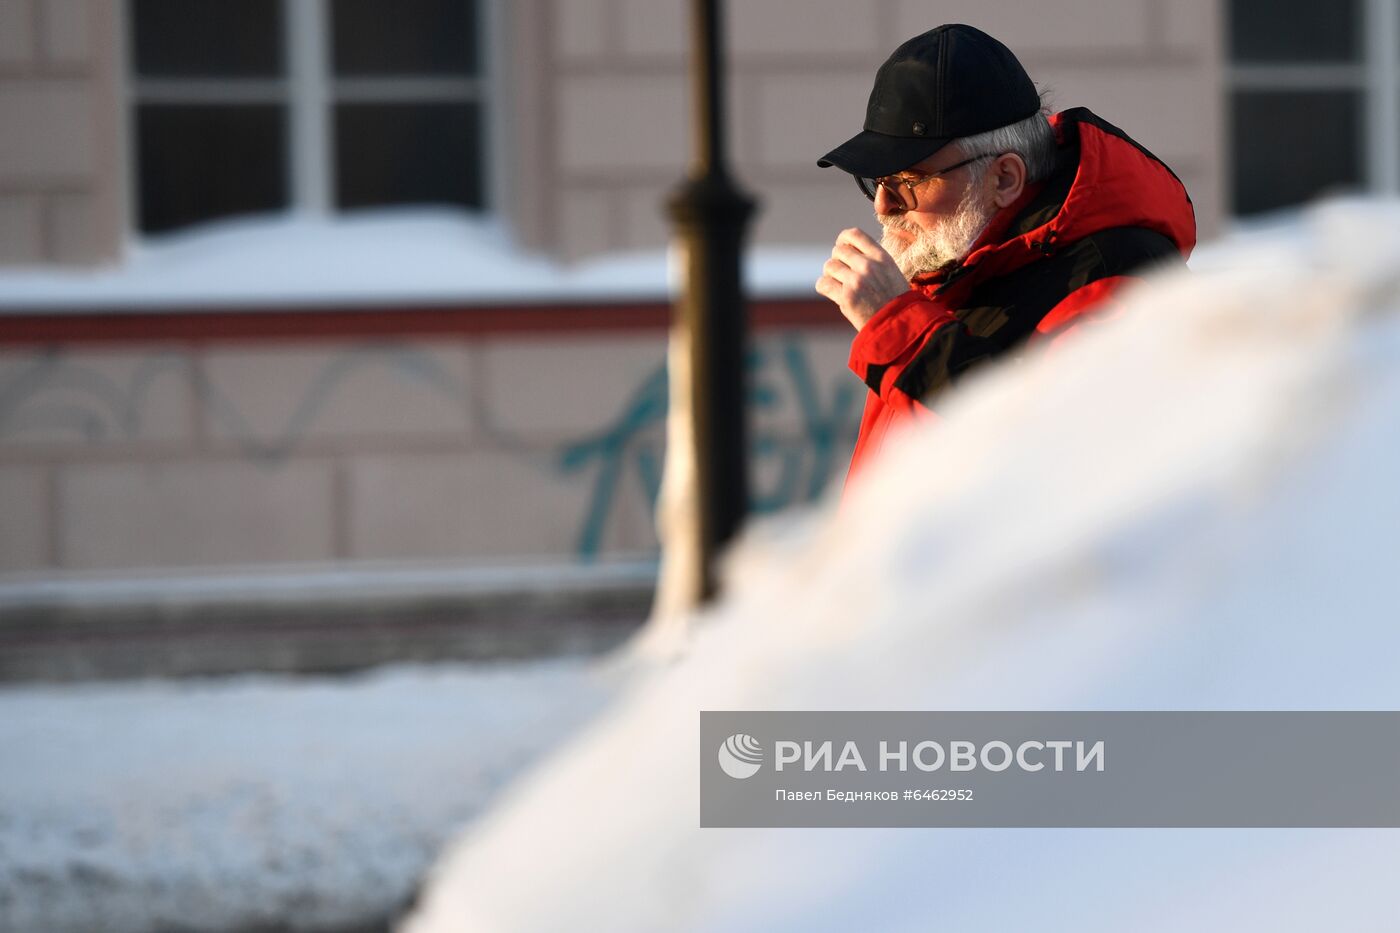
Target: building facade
[
  {"x": 567, "y": 119},
  {"x": 201, "y": 368}
]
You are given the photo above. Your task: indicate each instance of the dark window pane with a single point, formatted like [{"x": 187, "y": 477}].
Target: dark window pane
[
  {"x": 1295, "y": 30},
  {"x": 207, "y": 38},
  {"x": 408, "y": 154},
  {"x": 1290, "y": 146},
  {"x": 397, "y": 37},
  {"x": 198, "y": 162}
]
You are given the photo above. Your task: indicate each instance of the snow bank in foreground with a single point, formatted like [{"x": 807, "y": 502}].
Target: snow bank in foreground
[
  {"x": 257, "y": 802},
  {"x": 1194, "y": 508}
]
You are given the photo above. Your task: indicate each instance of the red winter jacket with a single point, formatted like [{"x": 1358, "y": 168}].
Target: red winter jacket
[{"x": 1111, "y": 211}]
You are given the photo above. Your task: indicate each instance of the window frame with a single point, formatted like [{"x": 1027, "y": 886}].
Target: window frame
[
  {"x": 309, "y": 91},
  {"x": 1375, "y": 76}
]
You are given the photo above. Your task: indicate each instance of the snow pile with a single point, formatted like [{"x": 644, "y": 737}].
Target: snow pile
[
  {"x": 368, "y": 258},
  {"x": 1193, "y": 508},
  {"x": 258, "y": 802}
]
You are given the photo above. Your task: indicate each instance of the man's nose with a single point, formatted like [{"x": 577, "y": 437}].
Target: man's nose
[{"x": 886, "y": 202}]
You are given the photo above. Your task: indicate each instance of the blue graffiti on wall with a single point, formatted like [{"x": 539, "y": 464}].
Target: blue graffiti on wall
[
  {"x": 785, "y": 469},
  {"x": 801, "y": 428},
  {"x": 50, "y": 394}
]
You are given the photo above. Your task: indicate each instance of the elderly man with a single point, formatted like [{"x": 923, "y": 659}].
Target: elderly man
[{"x": 1000, "y": 225}]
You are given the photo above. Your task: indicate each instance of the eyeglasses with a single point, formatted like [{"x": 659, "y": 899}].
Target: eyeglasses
[{"x": 897, "y": 185}]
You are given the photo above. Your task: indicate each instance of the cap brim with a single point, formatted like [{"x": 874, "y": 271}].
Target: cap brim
[{"x": 875, "y": 155}]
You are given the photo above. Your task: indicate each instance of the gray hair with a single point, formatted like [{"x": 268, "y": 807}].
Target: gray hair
[{"x": 1032, "y": 139}]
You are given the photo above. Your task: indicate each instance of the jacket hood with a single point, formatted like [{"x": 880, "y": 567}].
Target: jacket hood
[{"x": 1105, "y": 179}]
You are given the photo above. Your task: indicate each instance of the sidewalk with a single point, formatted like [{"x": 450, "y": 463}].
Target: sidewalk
[{"x": 323, "y": 620}]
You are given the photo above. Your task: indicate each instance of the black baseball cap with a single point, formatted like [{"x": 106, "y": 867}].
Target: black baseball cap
[{"x": 951, "y": 81}]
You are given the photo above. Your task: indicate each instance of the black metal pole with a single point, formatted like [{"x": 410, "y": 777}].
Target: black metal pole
[{"x": 711, "y": 215}]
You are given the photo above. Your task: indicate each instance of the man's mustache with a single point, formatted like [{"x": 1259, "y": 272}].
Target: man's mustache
[{"x": 894, "y": 222}]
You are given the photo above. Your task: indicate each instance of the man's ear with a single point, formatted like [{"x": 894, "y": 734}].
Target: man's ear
[{"x": 1007, "y": 178}]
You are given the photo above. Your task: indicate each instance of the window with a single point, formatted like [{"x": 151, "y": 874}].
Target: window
[
  {"x": 1315, "y": 99},
  {"x": 245, "y": 106}
]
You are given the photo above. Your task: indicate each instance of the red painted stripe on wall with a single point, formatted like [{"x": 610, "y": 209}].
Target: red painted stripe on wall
[{"x": 20, "y": 329}]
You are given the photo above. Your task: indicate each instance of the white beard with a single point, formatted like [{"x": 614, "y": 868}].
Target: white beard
[{"x": 949, "y": 241}]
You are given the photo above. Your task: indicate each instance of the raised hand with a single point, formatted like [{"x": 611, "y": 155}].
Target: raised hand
[{"x": 861, "y": 277}]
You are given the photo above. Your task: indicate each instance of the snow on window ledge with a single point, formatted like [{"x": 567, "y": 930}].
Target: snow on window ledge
[{"x": 419, "y": 255}]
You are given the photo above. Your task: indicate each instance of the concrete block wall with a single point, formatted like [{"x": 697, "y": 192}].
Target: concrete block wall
[
  {"x": 614, "y": 104},
  {"x": 499, "y": 448},
  {"x": 61, "y": 134}
]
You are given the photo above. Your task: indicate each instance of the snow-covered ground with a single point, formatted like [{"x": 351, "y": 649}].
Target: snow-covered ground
[
  {"x": 258, "y": 802},
  {"x": 1193, "y": 508}
]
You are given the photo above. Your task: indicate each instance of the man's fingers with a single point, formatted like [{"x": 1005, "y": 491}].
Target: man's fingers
[
  {"x": 862, "y": 242},
  {"x": 860, "y": 277},
  {"x": 852, "y": 257},
  {"x": 847, "y": 264},
  {"x": 835, "y": 269},
  {"x": 829, "y": 287}
]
